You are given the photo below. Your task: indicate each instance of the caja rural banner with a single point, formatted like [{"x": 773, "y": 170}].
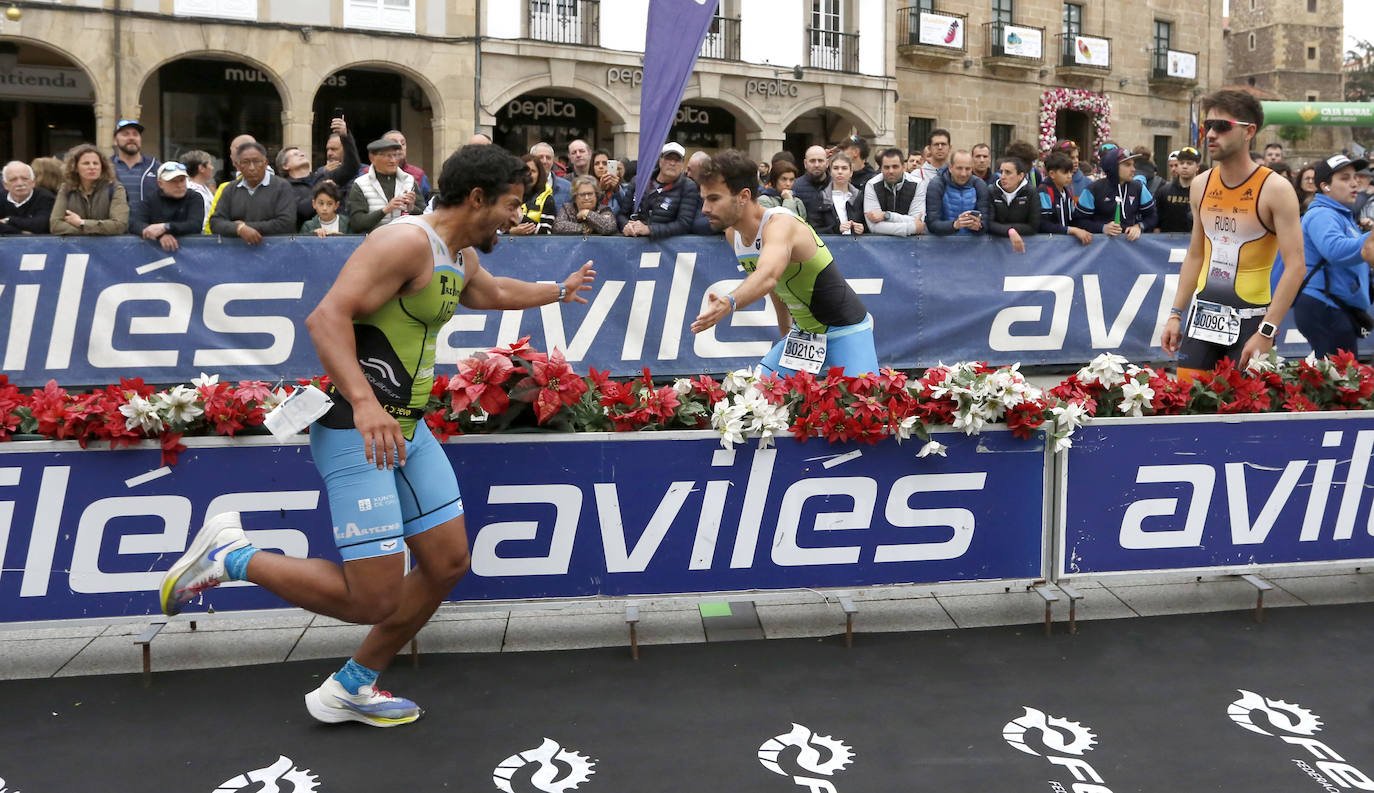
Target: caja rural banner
[
  {"x": 88, "y": 533},
  {"x": 1212, "y": 492},
  {"x": 86, "y": 312}
]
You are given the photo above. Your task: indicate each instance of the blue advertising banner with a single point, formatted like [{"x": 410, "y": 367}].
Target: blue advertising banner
[
  {"x": 85, "y": 312},
  {"x": 1189, "y": 493},
  {"x": 87, "y": 534}
]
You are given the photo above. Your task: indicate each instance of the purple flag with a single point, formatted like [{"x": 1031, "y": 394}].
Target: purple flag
[{"x": 676, "y": 30}]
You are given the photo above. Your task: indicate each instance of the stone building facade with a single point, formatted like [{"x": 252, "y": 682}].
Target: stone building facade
[
  {"x": 1144, "y": 63},
  {"x": 197, "y": 72},
  {"x": 1294, "y": 50}
]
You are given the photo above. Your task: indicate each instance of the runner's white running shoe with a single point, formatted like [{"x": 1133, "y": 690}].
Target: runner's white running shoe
[
  {"x": 331, "y": 703},
  {"x": 202, "y": 566}
]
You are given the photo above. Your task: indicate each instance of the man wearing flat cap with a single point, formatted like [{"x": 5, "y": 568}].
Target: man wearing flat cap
[{"x": 382, "y": 194}]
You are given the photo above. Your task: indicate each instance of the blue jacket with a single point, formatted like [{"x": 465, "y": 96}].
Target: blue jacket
[
  {"x": 1097, "y": 204},
  {"x": 1330, "y": 235},
  {"x": 562, "y": 192},
  {"x": 1056, "y": 208},
  {"x": 140, "y": 181},
  {"x": 945, "y": 201},
  {"x": 669, "y": 210},
  {"x": 1081, "y": 182}
]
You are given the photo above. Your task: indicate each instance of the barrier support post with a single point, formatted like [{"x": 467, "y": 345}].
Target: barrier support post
[
  {"x": 632, "y": 619},
  {"x": 1074, "y": 596},
  {"x": 415, "y": 652},
  {"x": 1050, "y": 598},
  {"x": 1261, "y": 586},
  {"x": 145, "y": 639},
  {"x": 849, "y": 611}
]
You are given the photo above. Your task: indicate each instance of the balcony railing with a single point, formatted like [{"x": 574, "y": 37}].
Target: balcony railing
[
  {"x": 566, "y": 21},
  {"x": 1016, "y": 43},
  {"x": 1085, "y": 56},
  {"x": 722, "y": 40},
  {"x": 833, "y": 50},
  {"x": 944, "y": 32},
  {"x": 1174, "y": 65}
]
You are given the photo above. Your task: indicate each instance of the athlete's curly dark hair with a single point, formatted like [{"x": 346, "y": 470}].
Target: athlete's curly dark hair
[
  {"x": 735, "y": 168},
  {"x": 490, "y": 168}
]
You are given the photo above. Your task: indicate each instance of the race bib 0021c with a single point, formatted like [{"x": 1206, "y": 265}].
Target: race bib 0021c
[{"x": 802, "y": 351}]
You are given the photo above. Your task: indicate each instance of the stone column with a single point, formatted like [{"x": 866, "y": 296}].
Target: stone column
[
  {"x": 626, "y": 145},
  {"x": 762, "y": 146}
]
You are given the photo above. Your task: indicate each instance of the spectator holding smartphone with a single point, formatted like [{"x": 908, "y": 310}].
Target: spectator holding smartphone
[
  {"x": 382, "y": 194},
  {"x": 957, "y": 201},
  {"x": 295, "y": 166},
  {"x": 608, "y": 174}
]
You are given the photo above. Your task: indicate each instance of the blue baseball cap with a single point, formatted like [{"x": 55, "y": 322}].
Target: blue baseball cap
[{"x": 125, "y": 123}]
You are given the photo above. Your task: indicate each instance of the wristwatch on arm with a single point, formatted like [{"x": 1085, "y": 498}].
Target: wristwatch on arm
[{"x": 1268, "y": 330}]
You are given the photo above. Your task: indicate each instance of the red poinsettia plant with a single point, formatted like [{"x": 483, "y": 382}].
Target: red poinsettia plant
[
  {"x": 517, "y": 387},
  {"x": 133, "y": 410}
]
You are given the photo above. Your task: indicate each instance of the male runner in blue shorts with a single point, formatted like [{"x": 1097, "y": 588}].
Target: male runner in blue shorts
[
  {"x": 388, "y": 479},
  {"x": 823, "y": 322}
]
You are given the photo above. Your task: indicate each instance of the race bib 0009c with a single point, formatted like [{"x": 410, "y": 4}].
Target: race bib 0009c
[{"x": 1214, "y": 322}]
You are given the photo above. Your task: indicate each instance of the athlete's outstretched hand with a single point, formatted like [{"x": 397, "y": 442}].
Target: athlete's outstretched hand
[
  {"x": 383, "y": 441},
  {"x": 580, "y": 281},
  {"x": 1257, "y": 345},
  {"x": 717, "y": 306},
  {"x": 1172, "y": 336}
]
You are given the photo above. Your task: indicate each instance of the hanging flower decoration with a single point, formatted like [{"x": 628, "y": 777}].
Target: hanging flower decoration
[{"x": 1099, "y": 106}]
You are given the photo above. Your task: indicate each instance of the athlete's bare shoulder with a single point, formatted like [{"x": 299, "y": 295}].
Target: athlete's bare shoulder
[
  {"x": 396, "y": 251},
  {"x": 786, "y": 230}
]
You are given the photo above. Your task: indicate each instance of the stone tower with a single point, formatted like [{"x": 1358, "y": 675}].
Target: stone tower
[{"x": 1293, "y": 50}]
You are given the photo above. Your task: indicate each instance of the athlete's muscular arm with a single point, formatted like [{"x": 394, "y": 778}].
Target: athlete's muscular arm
[
  {"x": 381, "y": 268},
  {"x": 1280, "y": 202},
  {"x": 483, "y": 291},
  {"x": 773, "y": 258},
  {"x": 1188, "y": 272}
]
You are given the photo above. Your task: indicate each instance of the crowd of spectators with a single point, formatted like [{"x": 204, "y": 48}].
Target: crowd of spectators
[{"x": 942, "y": 189}]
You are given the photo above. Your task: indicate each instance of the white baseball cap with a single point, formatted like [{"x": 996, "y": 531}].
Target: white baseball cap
[{"x": 673, "y": 148}]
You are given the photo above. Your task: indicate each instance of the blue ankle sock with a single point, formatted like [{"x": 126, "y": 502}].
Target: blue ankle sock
[
  {"x": 236, "y": 562},
  {"x": 354, "y": 676}
]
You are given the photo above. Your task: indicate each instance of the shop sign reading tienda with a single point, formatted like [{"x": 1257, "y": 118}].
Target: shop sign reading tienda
[{"x": 45, "y": 82}]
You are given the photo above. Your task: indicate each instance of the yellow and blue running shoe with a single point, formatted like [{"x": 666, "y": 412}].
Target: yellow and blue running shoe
[
  {"x": 202, "y": 566},
  {"x": 331, "y": 703}
]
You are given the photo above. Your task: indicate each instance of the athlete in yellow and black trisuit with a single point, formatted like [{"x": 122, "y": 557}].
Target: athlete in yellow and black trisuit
[
  {"x": 390, "y": 484},
  {"x": 1243, "y": 215},
  {"x": 786, "y": 260}
]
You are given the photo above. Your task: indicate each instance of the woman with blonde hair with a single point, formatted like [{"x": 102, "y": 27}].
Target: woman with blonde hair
[
  {"x": 47, "y": 173},
  {"x": 92, "y": 201}
]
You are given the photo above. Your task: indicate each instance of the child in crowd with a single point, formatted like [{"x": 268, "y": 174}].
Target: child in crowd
[
  {"x": 1057, "y": 198},
  {"x": 327, "y": 219}
]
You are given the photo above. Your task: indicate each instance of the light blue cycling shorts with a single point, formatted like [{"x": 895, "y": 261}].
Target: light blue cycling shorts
[
  {"x": 375, "y": 510},
  {"x": 850, "y": 346}
]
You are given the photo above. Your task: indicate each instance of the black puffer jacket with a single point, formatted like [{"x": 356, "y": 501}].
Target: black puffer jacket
[{"x": 668, "y": 209}]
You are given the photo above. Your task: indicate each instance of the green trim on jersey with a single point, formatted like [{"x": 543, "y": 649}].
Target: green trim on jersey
[
  {"x": 797, "y": 284},
  {"x": 396, "y": 343}
]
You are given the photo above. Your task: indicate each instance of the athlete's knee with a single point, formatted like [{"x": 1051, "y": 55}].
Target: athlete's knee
[{"x": 450, "y": 569}]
